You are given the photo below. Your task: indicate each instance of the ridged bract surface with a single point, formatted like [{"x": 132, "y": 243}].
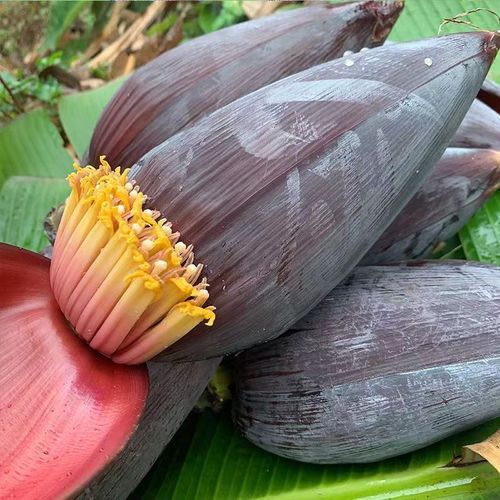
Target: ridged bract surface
[
  {"x": 206, "y": 73},
  {"x": 65, "y": 411},
  {"x": 284, "y": 190},
  {"x": 460, "y": 182},
  {"x": 479, "y": 129},
  {"x": 395, "y": 358},
  {"x": 173, "y": 392}
]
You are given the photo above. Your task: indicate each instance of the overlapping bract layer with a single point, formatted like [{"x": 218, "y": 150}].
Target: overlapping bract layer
[
  {"x": 202, "y": 75},
  {"x": 460, "y": 182},
  {"x": 65, "y": 410},
  {"x": 479, "y": 129},
  {"x": 284, "y": 190},
  {"x": 174, "y": 389},
  {"x": 395, "y": 358},
  {"x": 490, "y": 94},
  {"x": 120, "y": 274},
  {"x": 67, "y": 413}
]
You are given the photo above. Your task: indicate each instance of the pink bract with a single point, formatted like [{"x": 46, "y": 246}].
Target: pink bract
[{"x": 65, "y": 411}]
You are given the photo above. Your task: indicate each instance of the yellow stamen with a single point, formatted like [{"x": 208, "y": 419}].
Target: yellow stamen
[
  {"x": 119, "y": 272},
  {"x": 180, "y": 320}
]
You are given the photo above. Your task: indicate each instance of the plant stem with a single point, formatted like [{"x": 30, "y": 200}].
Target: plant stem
[{"x": 12, "y": 96}]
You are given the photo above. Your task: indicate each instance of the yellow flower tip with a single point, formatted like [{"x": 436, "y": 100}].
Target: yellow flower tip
[
  {"x": 202, "y": 314},
  {"x": 120, "y": 273}
]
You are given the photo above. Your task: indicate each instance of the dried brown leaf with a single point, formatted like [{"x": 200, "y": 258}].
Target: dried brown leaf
[
  {"x": 109, "y": 32},
  {"x": 260, "y": 8},
  {"x": 92, "y": 83},
  {"x": 116, "y": 14},
  {"x": 147, "y": 48},
  {"x": 121, "y": 44},
  {"x": 124, "y": 64},
  {"x": 489, "y": 449},
  {"x": 174, "y": 35}
]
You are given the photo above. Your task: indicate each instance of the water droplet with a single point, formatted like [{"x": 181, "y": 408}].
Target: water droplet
[
  {"x": 349, "y": 62},
  {"x": 69, "y": 473},
  {"x": 428, "y": 61},
  {"x": 45, "y": 452},
  {"x": 101, "y": 450},
  {"x": 348, "y": 53},
  {"x": 364, "y": 49}
]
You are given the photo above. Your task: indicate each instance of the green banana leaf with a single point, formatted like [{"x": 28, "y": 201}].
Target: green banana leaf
[
  {"x": 481, "y": 236},
  {"x": 24, "y": 203},
  {"x": 208, "y": 459},
  {"x": 31, "y": 145},
  {"x": 79, "y": 113},
  {"x": 61, "y": 16}
]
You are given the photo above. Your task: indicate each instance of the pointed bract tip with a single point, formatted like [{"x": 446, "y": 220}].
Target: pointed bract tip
[
  {"x": 491, "y": 42},
  {"x": 386, "y": 13}
]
